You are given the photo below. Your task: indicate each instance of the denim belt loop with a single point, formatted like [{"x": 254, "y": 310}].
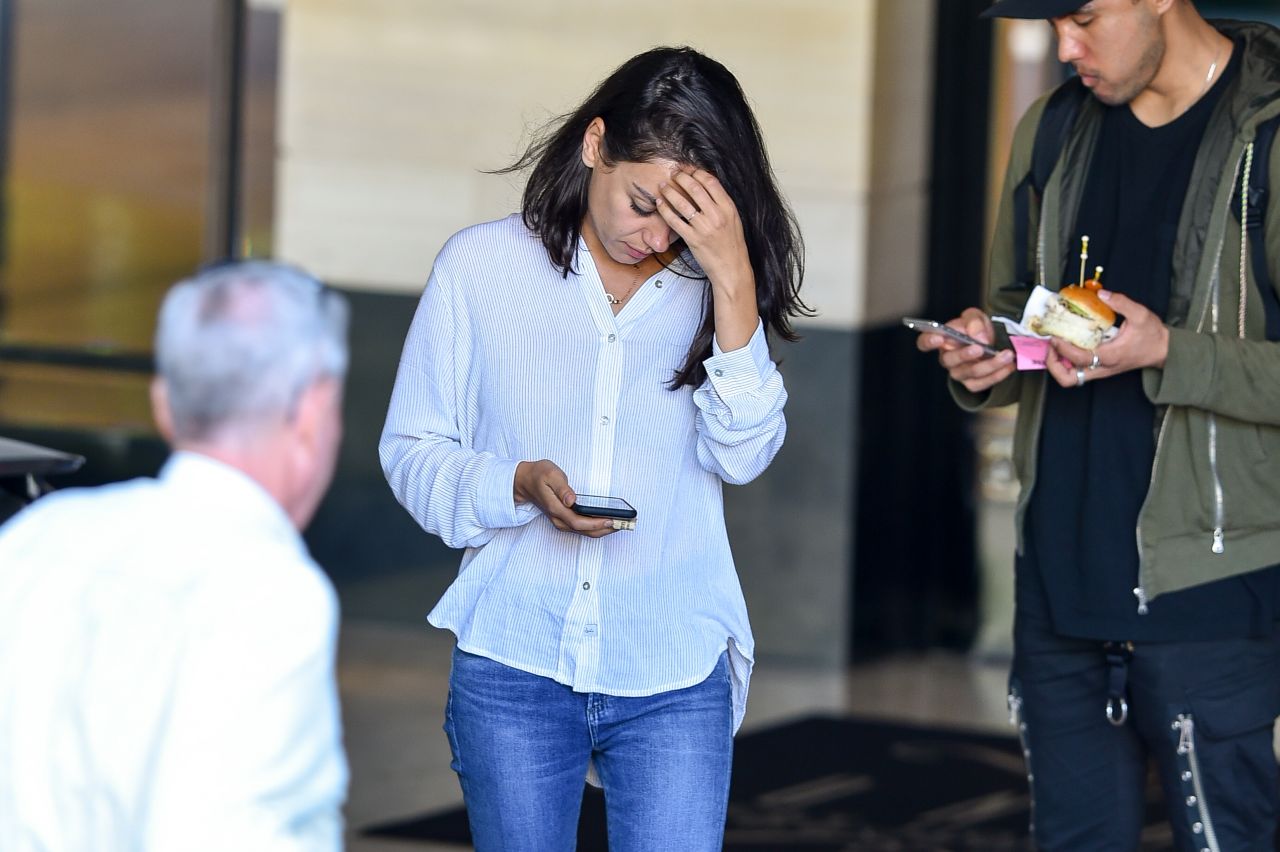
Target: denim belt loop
[{"x": 1118, "y": 656}]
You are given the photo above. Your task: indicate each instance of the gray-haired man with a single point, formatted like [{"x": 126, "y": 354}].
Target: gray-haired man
[{"x": 167, "y": 645}]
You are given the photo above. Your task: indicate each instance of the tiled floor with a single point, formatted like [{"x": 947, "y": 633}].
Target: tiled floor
[{"x": 394, "y": 677}]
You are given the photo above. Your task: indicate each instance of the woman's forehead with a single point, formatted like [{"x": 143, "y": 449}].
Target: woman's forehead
[{"x": 650, "y": 173}]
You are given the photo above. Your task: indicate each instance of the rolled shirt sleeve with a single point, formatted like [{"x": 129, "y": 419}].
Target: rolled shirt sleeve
[{"x": 741, "y": 425}]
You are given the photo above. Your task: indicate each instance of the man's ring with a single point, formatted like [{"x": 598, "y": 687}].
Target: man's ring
[
  {"x": 1079, "y": 378},
  {"x": 1093, "y": 365}
]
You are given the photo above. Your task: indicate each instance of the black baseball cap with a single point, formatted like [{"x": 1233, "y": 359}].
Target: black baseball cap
[{"x": 1032, "y": 8}]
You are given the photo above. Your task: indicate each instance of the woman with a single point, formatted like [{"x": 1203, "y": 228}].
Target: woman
[{"x": 610, "y": 340}]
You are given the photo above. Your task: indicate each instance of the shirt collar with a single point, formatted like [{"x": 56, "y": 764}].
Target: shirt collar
[{"x": 226, "y": 490}]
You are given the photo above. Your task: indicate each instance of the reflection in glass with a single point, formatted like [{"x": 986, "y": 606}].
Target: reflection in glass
[
  {"x": 107, "y": 189},
  {"x": 108, "y": 156}
]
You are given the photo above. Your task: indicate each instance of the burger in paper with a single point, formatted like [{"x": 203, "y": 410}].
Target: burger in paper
[{"x": 1076, "y": 315}]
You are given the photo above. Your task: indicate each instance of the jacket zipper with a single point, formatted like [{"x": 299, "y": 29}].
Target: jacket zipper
[
  {"x": 1210, "y": 310},
  {"x": 1215, "y": 294},
  {"x": 1219, "y": 545},
  {"x": 1219, "y": 512},
  {"x": 1186, "y": 727}
]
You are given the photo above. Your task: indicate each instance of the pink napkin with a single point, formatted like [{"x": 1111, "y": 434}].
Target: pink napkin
[{"x": 1031, "y": 351}]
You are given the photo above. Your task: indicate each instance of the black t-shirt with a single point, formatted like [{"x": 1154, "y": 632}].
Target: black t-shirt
[{"x": 1098, "y": 442}]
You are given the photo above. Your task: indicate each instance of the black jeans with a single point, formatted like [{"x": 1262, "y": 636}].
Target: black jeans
[{"x": 1203, "y": 711}]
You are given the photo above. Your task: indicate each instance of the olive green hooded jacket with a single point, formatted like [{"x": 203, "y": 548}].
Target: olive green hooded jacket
[{"x": 1213, "y": 504}]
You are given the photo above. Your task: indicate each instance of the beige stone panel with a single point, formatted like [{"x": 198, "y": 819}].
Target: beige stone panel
[
  {"x": 897, "y": 258},
  {"x": 897, "y": 235},
  {"x": 835, "y": 239},
  {"x": 416, "y": 99},
  {"x": 392, "y": 221}
]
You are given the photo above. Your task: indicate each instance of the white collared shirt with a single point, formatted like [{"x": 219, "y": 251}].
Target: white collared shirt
[
  {"x": 166, "y": 671},
  {"x": 508, "y": 361}
]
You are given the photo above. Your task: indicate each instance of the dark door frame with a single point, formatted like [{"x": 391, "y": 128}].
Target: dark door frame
[
  {"x": 916, "y": 583},
  {"x": 226, "y": 127}
]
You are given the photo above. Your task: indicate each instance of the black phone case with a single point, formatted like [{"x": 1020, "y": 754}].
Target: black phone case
[{"x": 627, "y": 513}]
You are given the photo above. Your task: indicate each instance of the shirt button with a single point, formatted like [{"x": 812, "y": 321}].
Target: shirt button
[
  {"x": 586, "y": 586},
  {"x": 719, "y": 373},
  {"x": 613, "y": 337},
  {"x": 658, "y": 283},
  {"x": 604, "y": 420}
]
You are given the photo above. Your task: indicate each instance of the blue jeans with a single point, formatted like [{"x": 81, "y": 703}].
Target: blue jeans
[{"x": 521, "y": 745}]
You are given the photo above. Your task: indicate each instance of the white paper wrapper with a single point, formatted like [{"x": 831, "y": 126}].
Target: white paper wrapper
[
  {"x": 1037, "y": 302},
  {"x": 1035, "y": 307}
]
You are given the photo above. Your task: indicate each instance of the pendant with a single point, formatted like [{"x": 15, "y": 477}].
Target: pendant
[{"x": 612, "y": 299}]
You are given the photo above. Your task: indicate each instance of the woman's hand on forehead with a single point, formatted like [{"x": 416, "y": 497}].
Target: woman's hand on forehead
[{"x": 695, "y": 205}]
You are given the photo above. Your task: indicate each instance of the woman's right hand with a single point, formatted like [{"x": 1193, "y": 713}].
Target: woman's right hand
[
  {"x": 544, "y": 484},
  {"x": 968, "y": 365}
]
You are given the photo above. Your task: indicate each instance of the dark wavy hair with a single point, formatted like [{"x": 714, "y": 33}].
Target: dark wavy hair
[{"x": 672, "y": 103}]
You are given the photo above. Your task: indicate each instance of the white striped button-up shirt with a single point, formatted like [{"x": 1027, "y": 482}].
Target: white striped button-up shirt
[
  {"x": 507, "y": 361},
  {"x": 167, "y": 672}
]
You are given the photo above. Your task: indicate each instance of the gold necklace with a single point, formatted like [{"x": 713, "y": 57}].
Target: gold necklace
[{"x": 635, "y": 282}]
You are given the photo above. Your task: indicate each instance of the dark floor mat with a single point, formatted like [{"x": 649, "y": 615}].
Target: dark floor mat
[{"x": 824, "y": 784}]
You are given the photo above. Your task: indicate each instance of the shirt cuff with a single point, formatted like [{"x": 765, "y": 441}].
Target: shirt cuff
[
  {"x": 496, "y": 504},
  {"x": 739, "y": 371}
]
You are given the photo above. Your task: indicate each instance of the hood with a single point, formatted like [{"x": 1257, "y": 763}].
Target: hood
[{"x": 1255, "y": 94}]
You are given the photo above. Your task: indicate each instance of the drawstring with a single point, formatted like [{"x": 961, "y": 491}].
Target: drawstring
[
  {"x": 1244, "y": 236},
  {"x": 1244, "y": 239},
  {"x": 1118, "y": 656}
]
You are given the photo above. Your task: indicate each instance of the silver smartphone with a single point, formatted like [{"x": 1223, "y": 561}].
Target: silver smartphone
[{"x": 928, "y": 326}]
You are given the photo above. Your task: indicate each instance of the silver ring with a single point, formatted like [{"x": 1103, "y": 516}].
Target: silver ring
[
  {"x": 1079, "y": 378},
  {"x": 1093, "y": 365}
]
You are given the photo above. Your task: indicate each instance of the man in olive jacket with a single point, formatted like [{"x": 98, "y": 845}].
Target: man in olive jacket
[{"x": 1148, "y": 590}]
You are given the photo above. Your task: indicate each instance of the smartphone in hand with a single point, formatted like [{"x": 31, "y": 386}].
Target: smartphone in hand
[
  {"x": 928, "y": 326},
  {"x": 594, "y": 506}
]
